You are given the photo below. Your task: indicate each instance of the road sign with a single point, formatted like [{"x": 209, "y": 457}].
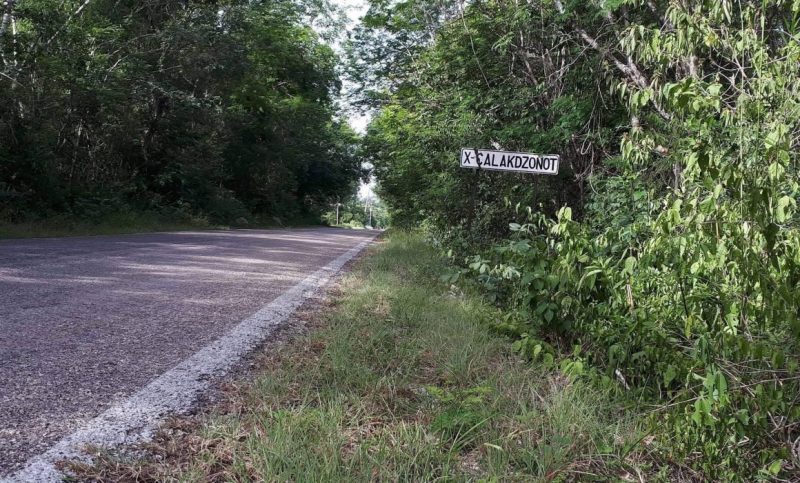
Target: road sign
[{"x": 510, "y": 161}]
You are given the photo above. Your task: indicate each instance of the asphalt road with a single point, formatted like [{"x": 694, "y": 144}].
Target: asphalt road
[{"x": 87, "y": 321}]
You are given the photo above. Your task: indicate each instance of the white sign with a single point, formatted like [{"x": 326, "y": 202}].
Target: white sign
[{"x": 510, "y": 161}]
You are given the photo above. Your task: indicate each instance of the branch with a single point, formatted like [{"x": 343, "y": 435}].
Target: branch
[
  {"x": 13, "y": 80},
  {"x": 472, "y": 44},
  {"x": 69, "y": 19},
  {"x": 628, "y": 68}
]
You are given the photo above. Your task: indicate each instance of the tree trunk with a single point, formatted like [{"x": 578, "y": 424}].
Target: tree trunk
[{"x": 8, "y": 10}]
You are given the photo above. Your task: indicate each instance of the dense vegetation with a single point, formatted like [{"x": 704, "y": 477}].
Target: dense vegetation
[
  {"x": 221, "y": 110},
  {"x": 664, "y": 259}
]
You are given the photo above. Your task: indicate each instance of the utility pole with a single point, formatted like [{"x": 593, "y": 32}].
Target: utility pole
[
  {"x": 337, "y": 213},
  {"x": 368, "y": 206}
]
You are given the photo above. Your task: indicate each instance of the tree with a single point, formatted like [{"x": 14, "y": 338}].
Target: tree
[
  {"x": 221, "y": 109},
  {"x": 663, "y": 262}
]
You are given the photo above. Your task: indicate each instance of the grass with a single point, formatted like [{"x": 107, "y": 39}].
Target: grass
[
  {"x": 125, "y": 222},
  {"x": 110, "y": 224},
  {"x": 398, "y": 380}
]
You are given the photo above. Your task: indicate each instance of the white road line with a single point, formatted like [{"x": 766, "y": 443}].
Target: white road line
[{"x": 135, "y": 418}]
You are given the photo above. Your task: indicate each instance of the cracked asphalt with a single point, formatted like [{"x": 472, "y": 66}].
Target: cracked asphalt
[{"x": 86, "y": 321}]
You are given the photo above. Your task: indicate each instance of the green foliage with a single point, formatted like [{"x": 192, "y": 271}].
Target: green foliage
[
  {"x": 482, "y": 82},
  {"x": 668, "y": 269},
  {"x": 463, "y": 414},
  {"x": 222, "y": 109}
]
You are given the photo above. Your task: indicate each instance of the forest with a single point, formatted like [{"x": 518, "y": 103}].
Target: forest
[
  {"x": 663, "y": 261},
  {"x": 213, "y": 111}
]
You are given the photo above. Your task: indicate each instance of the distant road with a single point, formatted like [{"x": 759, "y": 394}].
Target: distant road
[{"x": 87, "y": 322}]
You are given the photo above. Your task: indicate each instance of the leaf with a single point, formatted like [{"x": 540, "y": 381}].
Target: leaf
[
  {"x": 775, "y": 171},
  {"x": 780, "y": 208},
  {"x": 688, "y": 325},
  {"x": 630, "y": 264},
  {"x": 669, "y": 375},
  {"x": 589, "y": 278},
  {"x": 773, "y": 138},
  {"x": 721, "y": 385},
  {"x": 697, "y": 415}
]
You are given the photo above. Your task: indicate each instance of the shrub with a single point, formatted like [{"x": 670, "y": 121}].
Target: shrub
[{"x": 685, "y": 291}]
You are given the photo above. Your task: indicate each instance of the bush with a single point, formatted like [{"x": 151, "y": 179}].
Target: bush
[{"x": 685, "y": 292}]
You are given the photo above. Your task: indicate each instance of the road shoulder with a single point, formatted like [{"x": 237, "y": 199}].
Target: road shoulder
[{"x": 393, "y": 378}]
